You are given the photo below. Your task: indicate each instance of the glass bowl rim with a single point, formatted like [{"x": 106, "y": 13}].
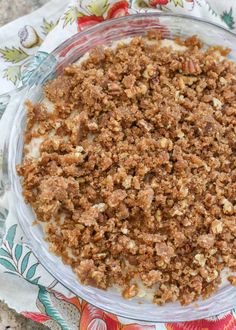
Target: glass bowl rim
[
  {"x": 70, "y": 41},
  {"x": 134, "y": 16},
  {"x": 124, "y": 18}
]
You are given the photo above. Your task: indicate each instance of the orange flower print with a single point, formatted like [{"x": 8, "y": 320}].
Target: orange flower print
[
  {"x": 227, "y": 322},
  {"x": 93, "y": 318}
]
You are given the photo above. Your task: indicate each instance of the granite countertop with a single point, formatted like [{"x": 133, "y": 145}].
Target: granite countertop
[{"x": 10, "y": 10}]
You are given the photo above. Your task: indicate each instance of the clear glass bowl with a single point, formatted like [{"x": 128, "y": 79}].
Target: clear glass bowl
[{"x": 70, "y": 51}]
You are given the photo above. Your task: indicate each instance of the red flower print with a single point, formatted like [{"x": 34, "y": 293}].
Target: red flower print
[
  {"x": 154, "y": 3},
  {"x": 118, "y": 9},
  {"x": 88, "y": 21},
  {"x": 227, "y": 322},
  {"x": 36, "y": 317}
]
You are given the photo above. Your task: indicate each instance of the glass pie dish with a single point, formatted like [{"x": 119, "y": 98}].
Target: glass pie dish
[{"x": 70, "y": 51}]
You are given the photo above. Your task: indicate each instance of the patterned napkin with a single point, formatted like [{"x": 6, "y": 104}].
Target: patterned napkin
[{"x": 25, "y": 285}]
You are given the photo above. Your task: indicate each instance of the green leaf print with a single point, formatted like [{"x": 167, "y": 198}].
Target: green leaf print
[
  {"x": 228, "y": 18},
  {"x": 2, "y": 109},
  {"x": 11, "y": 235},
  {"x": 31, "y": 271},
  {"x": 12, "y": 273},
  {"x": 15, "y": 260},
  {"x": 178, "y": 3},
  {"x": 12, "y": 73},
  {"x": 4, "y": 253},
  {"x": 7, "y": 264},
  {"x": 48, "y": 26},
  {"x": 13, "y": 55},
  {"x": 141, "y": 4},
  {"x": 24, "y": 263},
  {"x": 98, "y": 7},
  {"x": 210, "y": 9},
  {"x": 36, "y": 280},
  {"x": 18, "y": 251},
  {"x": 64, "y": 313},
  {"x": 48, "y": 303},
  {"x": 71, "y": 15},
  {"x": 3, "y": 212}
]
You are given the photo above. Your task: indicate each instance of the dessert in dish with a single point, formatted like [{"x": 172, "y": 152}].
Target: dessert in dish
[{"x": 129, "y": 166}]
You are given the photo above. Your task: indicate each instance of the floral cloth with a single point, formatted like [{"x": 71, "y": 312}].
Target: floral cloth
[{"x": 24, "y": 43}]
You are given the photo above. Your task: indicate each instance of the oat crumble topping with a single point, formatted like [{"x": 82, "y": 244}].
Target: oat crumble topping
[{"x": 136, "y": 176}]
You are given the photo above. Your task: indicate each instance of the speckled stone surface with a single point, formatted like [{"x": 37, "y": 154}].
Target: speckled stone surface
[
  {"x": 10, "y": 320},
  {"x": 10, "y": 10}
]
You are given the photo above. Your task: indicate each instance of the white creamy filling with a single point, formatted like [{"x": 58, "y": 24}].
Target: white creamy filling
[
  {"x": 49, "y": 106},
  {"x": 172, "y": 44},
  {"x": 33, "y": 147}
]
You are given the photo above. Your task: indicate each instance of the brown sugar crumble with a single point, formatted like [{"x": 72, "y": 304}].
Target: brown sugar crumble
[{"x": 136, "y": 176}]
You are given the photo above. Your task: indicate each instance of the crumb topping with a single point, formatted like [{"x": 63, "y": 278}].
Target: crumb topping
[{"x": 136, "y": 175}]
